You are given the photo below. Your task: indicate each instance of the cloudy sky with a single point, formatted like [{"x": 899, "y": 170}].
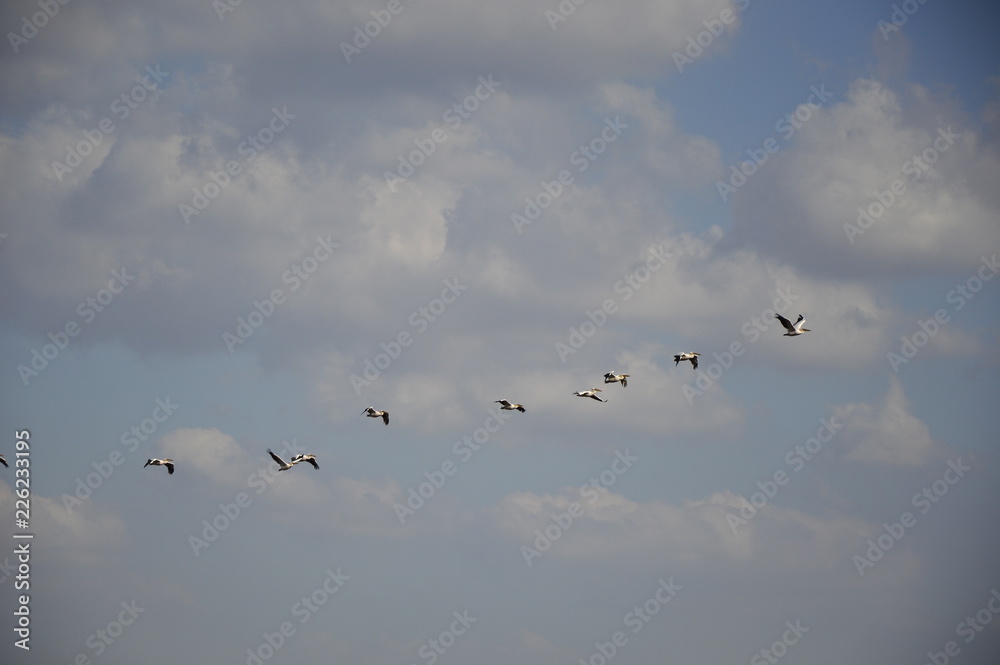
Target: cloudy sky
[{"x": 232, "y": 226}]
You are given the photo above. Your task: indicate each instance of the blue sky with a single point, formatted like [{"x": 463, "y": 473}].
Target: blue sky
[{"x": 241, "y": 187}]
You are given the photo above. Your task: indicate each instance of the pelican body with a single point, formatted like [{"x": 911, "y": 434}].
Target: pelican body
[
  {"x": 169, "y": 463},
  {"x": 611, "y": 377},
  {"x": 311, "y": 459},
  {"x": 687, "y": 355},
  {"x": 592, "y": 394},
  {"x": 792, "y": 328},
  {"x": 372, "y": 412}
]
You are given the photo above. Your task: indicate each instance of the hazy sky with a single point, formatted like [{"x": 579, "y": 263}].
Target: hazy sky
[{"x": 232, "y": 226}]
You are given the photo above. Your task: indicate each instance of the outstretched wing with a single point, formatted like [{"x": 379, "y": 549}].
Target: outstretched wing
[
  {"x": 785, "y": 322},
  {"x": 306, "y": 458}
]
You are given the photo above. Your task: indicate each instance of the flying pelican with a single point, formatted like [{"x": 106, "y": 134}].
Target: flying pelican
[
  {"x": 3, "y": 461},
  {"x": 372, "y": 413},
  {"x": 169, "y": 463},
  {"x": 507, "y": 406},
  {"x": 592, "y": 393},
  {"x": 282, "y": 464},
  {"x": 687, "y": 355},
  {"x": 611, "y": 377},
  {"x": 305, "y": 458},
  {"x": 793, "y": 329}
]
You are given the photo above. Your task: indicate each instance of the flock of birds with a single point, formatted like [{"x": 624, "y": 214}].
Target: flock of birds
[{"x": 792, "y": 330}]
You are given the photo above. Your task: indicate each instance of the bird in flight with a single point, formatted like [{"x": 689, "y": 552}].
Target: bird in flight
[
  {"x": 311, "y": 459},
  {"x": 169, "y": 463},
  {"x": 507, "y": 406},
  {"x": 373, "y": 413},
  {"x": 282, "y": 464},
  {"x": 792, "y": 328},
  {"x": 592, "y": 393},
  {"x": 687, "y": 355},
  {"x": 611, "y": 377}
]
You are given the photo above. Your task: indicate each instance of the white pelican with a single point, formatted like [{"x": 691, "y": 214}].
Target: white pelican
[
  {"x": 282, "y": 464},
  {"x": 507, "y": 406},
  {"x": 611, "y": 377},
  {"x": 169, "y": 463},
  {"x": 592, "y": 393},
  {"x": 305, "y": 458},
  {"x": 3, "y": 461},
  {"x": 793, "y": 329},
  {"x": 372, "y": 413},
  {"x": 687, "y": 355}
]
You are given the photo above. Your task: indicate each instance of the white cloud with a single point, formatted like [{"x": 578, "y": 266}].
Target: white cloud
[
  {"x": 210, "y": 452},
  {"x": 614, "y": 528},
  {"x": 85, "y": 535},
  {"x": 886, "y": 433},
  {"x": 802, "y": 206}
]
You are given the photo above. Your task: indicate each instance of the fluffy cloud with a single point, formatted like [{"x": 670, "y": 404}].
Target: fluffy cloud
[
  {"x": 918, "y": 170},
  {"x": 83, "y": 536},
  {"x": 610, "y": 527},
  {"x": 886, "y": 433}
]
